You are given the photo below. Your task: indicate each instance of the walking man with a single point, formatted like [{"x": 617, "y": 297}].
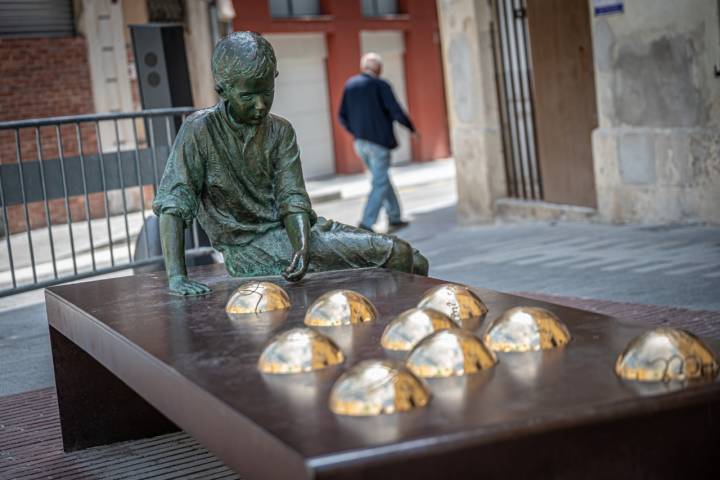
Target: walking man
[{"x": 367, "y": 111}]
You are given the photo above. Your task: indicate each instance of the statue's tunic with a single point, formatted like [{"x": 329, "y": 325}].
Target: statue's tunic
[{"x": 240, "y": 181}]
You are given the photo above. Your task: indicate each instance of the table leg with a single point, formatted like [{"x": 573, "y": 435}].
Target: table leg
[{"x": 97, "y": 408}]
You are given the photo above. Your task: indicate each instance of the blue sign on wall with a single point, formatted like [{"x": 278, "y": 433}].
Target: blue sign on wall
[{"x": 608, "y": 7}]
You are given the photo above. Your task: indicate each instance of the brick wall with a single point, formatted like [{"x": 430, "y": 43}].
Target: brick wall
[{"x": 46, "y": 77}]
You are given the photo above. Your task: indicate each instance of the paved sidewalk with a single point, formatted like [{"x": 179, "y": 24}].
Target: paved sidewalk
[
  {"x": 656, "y": 265},
  {"x": 358, "y": 185}
]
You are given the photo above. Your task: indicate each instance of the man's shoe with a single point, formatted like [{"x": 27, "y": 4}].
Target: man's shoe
[
  {"x": 365, "y": 227},
  {"x": 395, "y": 226}
]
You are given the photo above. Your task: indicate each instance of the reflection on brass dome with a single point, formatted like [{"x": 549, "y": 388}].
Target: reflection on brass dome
[
  {"x": 525, "y": 329},
  {"x": 299, "y": 350},
  {"x": 666, "y": 354},
  {"x": 450, "y": 353},
  {"x": 456, "y": 301},
  {"x": 377, "y": 387},
  {"x": 257, "y": 297},
  {"x": 411, "y": 326},
  {"x": 340, "y": 307}
]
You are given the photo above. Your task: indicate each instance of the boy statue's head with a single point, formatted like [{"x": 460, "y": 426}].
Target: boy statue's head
[{"x": 244, "y": 68}]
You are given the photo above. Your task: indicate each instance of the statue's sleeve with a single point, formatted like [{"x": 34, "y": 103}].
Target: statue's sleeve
[
  {"x": 290, "y": 193},
  {"x": 182, "y": 180}
]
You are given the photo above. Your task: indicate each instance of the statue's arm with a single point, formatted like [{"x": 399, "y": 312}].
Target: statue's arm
[
  {"x": 297, "y": 226},
  {"x": 172, "y": 238}
]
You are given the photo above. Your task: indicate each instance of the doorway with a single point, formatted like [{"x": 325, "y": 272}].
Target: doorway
[{"x": 546, "y": 90}]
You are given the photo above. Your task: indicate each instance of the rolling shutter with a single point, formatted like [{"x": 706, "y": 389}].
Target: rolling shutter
[{"x": 36, "y": 18}]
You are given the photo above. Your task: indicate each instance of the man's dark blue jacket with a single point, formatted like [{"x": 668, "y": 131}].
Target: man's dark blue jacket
[{"x": 368, "y": 109}]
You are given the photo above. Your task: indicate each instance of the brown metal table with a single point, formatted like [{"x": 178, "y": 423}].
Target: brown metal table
[{"x": 132, "y": 361}]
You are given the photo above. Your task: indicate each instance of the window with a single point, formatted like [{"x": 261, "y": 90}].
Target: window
[
  {"x": 379, "y": 8},
  {"x": 36, "y": 18},
  {"x": 294, "y": 8}
]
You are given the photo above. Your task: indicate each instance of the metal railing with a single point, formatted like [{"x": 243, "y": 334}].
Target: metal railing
[
  {"x": 76, "y": 191},
  {"x": 515, "y": 99}
]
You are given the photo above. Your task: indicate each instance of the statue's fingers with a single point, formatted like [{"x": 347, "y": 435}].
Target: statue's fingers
[
  {"x": 291, "y": 275},
  {"x": 296, "y": 274}
]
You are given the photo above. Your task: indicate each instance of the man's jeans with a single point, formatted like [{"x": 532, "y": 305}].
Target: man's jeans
[{"x": 377, "y": 160}]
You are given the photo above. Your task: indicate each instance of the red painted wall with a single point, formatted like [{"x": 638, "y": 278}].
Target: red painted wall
[{"x": 342, "y": 22}]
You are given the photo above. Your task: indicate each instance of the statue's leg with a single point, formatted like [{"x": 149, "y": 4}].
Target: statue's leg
[{"x": 335, "y": 246}]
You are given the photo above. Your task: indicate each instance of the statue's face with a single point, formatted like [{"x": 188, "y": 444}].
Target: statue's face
[{"x": 250, "y": 99}]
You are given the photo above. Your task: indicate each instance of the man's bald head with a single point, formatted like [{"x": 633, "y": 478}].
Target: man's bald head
[{"x": 371, "y": 63}]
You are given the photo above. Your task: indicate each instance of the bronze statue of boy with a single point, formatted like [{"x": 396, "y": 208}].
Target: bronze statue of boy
[{"x": 236, "y": 168}]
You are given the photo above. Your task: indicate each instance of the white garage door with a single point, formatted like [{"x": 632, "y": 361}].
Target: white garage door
[
  {"x": 301, "y": 96},
  {"x": 391, "y": 47}
]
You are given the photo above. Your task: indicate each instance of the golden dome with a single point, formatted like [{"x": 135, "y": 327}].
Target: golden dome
[
  {"x": 257, "y": 297},
  {"x": 340, "y": 307},
  {"x": 411, "y": 326},
  {"x": 450, "y": 353},
  {"x": 377, "y": 387},
  {"x": 526, "y": 329},
  {"x": 666, "y": 354},
  {"x": 456, "y": 301},
  {"x": 299, "y": 350}
]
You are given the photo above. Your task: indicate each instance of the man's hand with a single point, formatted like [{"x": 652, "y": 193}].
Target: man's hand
[
  {"x": 182, "y": 285},
  {"x": 298, "y": 266}
]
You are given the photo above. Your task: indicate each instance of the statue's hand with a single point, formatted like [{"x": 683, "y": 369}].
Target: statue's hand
[
  {"x": 182, "y": 285},
  {"x": 298, "y": 266}
]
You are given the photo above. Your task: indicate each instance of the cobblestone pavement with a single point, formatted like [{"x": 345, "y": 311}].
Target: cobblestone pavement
[{"x": 672, "y": 266}]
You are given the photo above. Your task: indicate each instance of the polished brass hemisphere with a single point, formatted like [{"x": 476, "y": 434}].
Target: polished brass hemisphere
[
  {"x": 411, "y": 326},
  {"x": 450, "y": 353},
  {"x": 666, "y": 354},
  {"x": 340, "y": 307},
  {"x": 456, "y": 301},
  {"x": 526, "y": 329},
  {"x": 257, "y": 297},
  {"x": 299, "y": 350},
  {"x": 377, "y": 387}
]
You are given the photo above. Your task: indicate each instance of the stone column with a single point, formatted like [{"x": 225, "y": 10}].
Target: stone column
[
  {"x": 199, "y": 46},
  {"x": 472, "y": 106}
]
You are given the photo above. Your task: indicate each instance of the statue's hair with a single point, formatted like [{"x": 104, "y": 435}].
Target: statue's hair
[{"x": 242, "y": 55}]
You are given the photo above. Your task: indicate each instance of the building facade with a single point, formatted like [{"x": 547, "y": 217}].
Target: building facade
[
  {"x": 72, "y": 57},
  {"x": 319, "y": 45},
  {"x": 603, "y": 110}
]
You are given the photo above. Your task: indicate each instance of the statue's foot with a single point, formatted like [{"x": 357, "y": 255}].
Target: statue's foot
[
  {"x": 404, "y": 258},
  {"x": 421, "y": 266}
]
